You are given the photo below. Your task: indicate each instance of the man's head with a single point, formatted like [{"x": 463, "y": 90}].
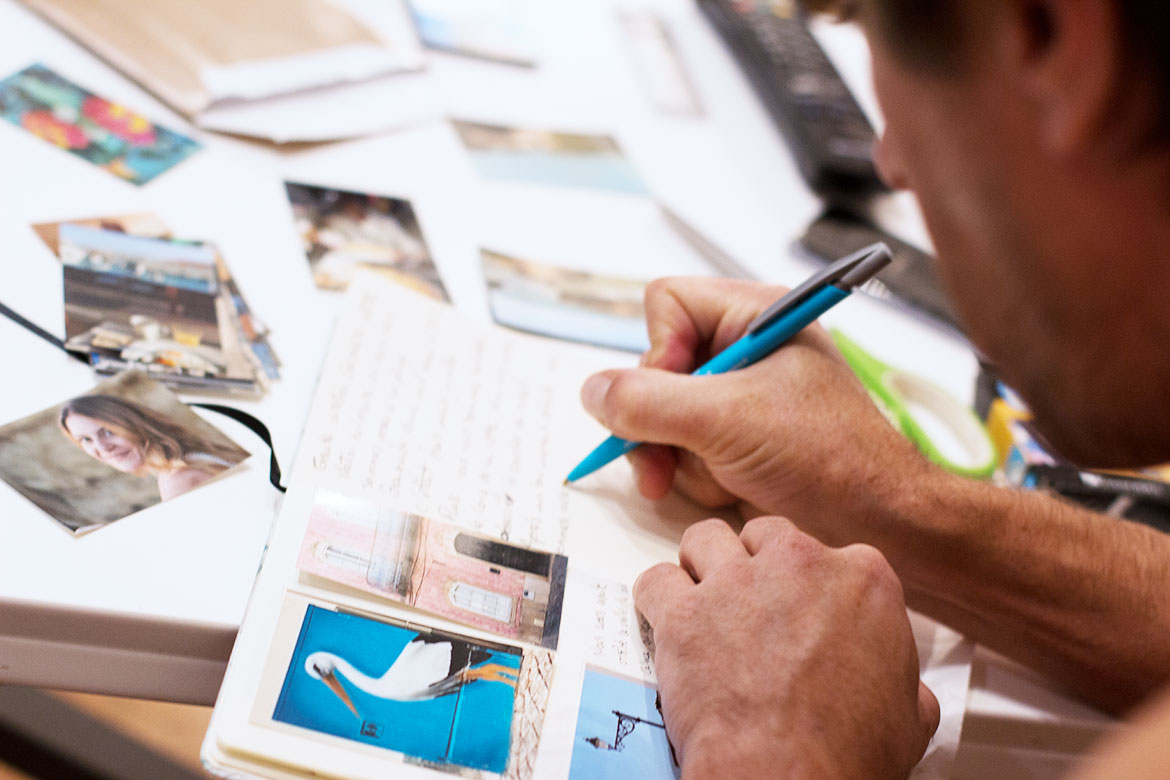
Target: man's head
[
  {"x": 930, "y": 33},
  {"x": 1036, "y": 135}
]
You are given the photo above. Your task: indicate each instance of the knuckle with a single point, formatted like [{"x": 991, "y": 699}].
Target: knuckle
[
  {"x": 781, "y": 541},
  {"x": 791, "y": 549},
  {"x": 872, "y": 568},
  {"x": 768, "y": 526},
  {"x": 804, "y": 547},
  {"x": 658, "y": 288},
  {"x": 701, "y": 531}
]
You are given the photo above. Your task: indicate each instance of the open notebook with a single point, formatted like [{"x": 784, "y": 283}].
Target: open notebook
[{"x": 433, "y": 601}]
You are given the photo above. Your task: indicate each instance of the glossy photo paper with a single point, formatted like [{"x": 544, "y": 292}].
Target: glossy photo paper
[
  {"x": 344, "y": 231},
  {"x": 97, "y": 130},
  {"x": 508, "y": 590},
  {"x": 123, "y": 447}
]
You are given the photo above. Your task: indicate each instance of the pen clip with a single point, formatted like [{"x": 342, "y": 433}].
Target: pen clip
[{"x": 846, "y": 273}]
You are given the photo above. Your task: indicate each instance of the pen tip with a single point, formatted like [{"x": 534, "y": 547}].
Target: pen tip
[{"x": 565, "y": 482}]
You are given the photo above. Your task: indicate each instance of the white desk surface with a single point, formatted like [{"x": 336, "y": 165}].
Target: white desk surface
[{"x": 149, "y": 605}]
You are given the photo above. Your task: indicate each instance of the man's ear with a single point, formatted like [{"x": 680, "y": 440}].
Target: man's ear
[{"x": 1069, "y": 57}]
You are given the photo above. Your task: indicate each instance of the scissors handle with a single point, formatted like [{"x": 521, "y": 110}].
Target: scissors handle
[{"x": 900, "y": 394}]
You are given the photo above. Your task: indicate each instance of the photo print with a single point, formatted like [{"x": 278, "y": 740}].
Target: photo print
[
  {"x": 620, "y": 732},
  {"x": 442, "y": 700},
  {"x": 164, "y": 305},
  {"x": 511, "y": 591},
  {"x": 548, "y": 157},
  {"x": 145, "y": 225},
  {"x": 344, "y": 231},
  {"x": 127, "y": 445},
  {"x": 486, "y": 29},
  {"x": 95, "y": 129},
  {"x": 566, "y": 304}
]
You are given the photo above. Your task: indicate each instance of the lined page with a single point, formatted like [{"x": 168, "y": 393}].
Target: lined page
[{"x": 447, "y": 417}]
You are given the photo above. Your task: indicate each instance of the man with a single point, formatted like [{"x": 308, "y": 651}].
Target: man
[{"x": 1036, "y": 135}]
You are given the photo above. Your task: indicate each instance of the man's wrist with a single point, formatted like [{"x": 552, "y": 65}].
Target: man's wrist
[
  {"x": 734, "y": 755},
  {"x": 926, "y": 509}
]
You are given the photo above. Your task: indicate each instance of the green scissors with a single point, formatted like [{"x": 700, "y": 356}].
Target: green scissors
[{"x": 897, "y": 393}]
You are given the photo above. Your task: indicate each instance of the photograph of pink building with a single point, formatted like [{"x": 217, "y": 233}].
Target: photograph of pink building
[{"x": 509, "y": 590}]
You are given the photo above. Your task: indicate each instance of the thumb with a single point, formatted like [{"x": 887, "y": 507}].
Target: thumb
[
  {"x": 928, "y": 710},
  {"x": 652, "y": 405}
]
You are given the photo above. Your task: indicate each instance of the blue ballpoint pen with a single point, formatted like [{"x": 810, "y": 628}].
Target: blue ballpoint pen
[{"x": 768, "y": 332}]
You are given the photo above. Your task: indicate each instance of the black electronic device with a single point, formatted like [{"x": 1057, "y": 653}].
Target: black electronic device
[
  {"x": 829, "y": 135},
  {"x": 910, "y": 278}
]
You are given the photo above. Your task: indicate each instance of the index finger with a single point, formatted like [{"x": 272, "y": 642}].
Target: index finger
[
  {"x": 658, "y": 587},
  {"x": 691, "y": 318}
]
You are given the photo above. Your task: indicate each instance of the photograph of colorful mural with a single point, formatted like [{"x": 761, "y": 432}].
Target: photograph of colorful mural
[{"x": 97, "y": 130}]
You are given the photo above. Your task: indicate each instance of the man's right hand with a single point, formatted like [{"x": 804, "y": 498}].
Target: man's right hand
[{"x": 794, "y": 434}]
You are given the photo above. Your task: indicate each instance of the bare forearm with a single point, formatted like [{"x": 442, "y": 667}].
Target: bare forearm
[
  {"x": 1138, "y": 751},
  {"x": 1077, "y": 595}
]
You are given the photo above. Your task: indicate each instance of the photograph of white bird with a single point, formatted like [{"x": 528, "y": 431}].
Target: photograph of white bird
[{"x": 427, "y": 668}]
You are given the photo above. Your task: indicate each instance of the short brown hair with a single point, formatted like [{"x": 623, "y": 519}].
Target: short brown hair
[
  {"x": 925, "y": 32},
  {"x": 929, "y": 33}
]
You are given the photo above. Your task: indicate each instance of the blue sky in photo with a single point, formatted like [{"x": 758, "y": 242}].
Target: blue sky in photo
[{"x": 645, "y": 753}]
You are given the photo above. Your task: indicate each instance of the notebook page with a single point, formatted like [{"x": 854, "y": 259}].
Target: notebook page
[{"x": 420, "y": 408}]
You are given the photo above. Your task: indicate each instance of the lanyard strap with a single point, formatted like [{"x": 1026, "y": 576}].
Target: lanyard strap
[
  {"x": 240, "y": 416},
  {"x": 258, "y": 428},
  {"x": 37, "y": 330}
]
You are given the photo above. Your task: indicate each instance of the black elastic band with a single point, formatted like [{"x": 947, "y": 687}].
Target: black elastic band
[
  {"x": 258, "y": 428},
  {"x": 37, "y": 330}
]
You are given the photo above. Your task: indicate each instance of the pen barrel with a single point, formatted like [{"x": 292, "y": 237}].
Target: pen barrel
[
  {"x": 609, "y": 450},
  {"x": 757, "y": 345}
]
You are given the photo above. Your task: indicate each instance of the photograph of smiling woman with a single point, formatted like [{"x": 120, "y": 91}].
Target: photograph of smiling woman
[{"x": 136, "y": 440}]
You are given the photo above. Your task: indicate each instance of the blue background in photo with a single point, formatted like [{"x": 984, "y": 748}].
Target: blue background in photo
[
  {"x": 645, "y": 753},
  {"x": 471, "y": 728}
]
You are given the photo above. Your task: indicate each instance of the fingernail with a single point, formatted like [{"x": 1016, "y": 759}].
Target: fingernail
[{"x": 593, "y": 393}]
